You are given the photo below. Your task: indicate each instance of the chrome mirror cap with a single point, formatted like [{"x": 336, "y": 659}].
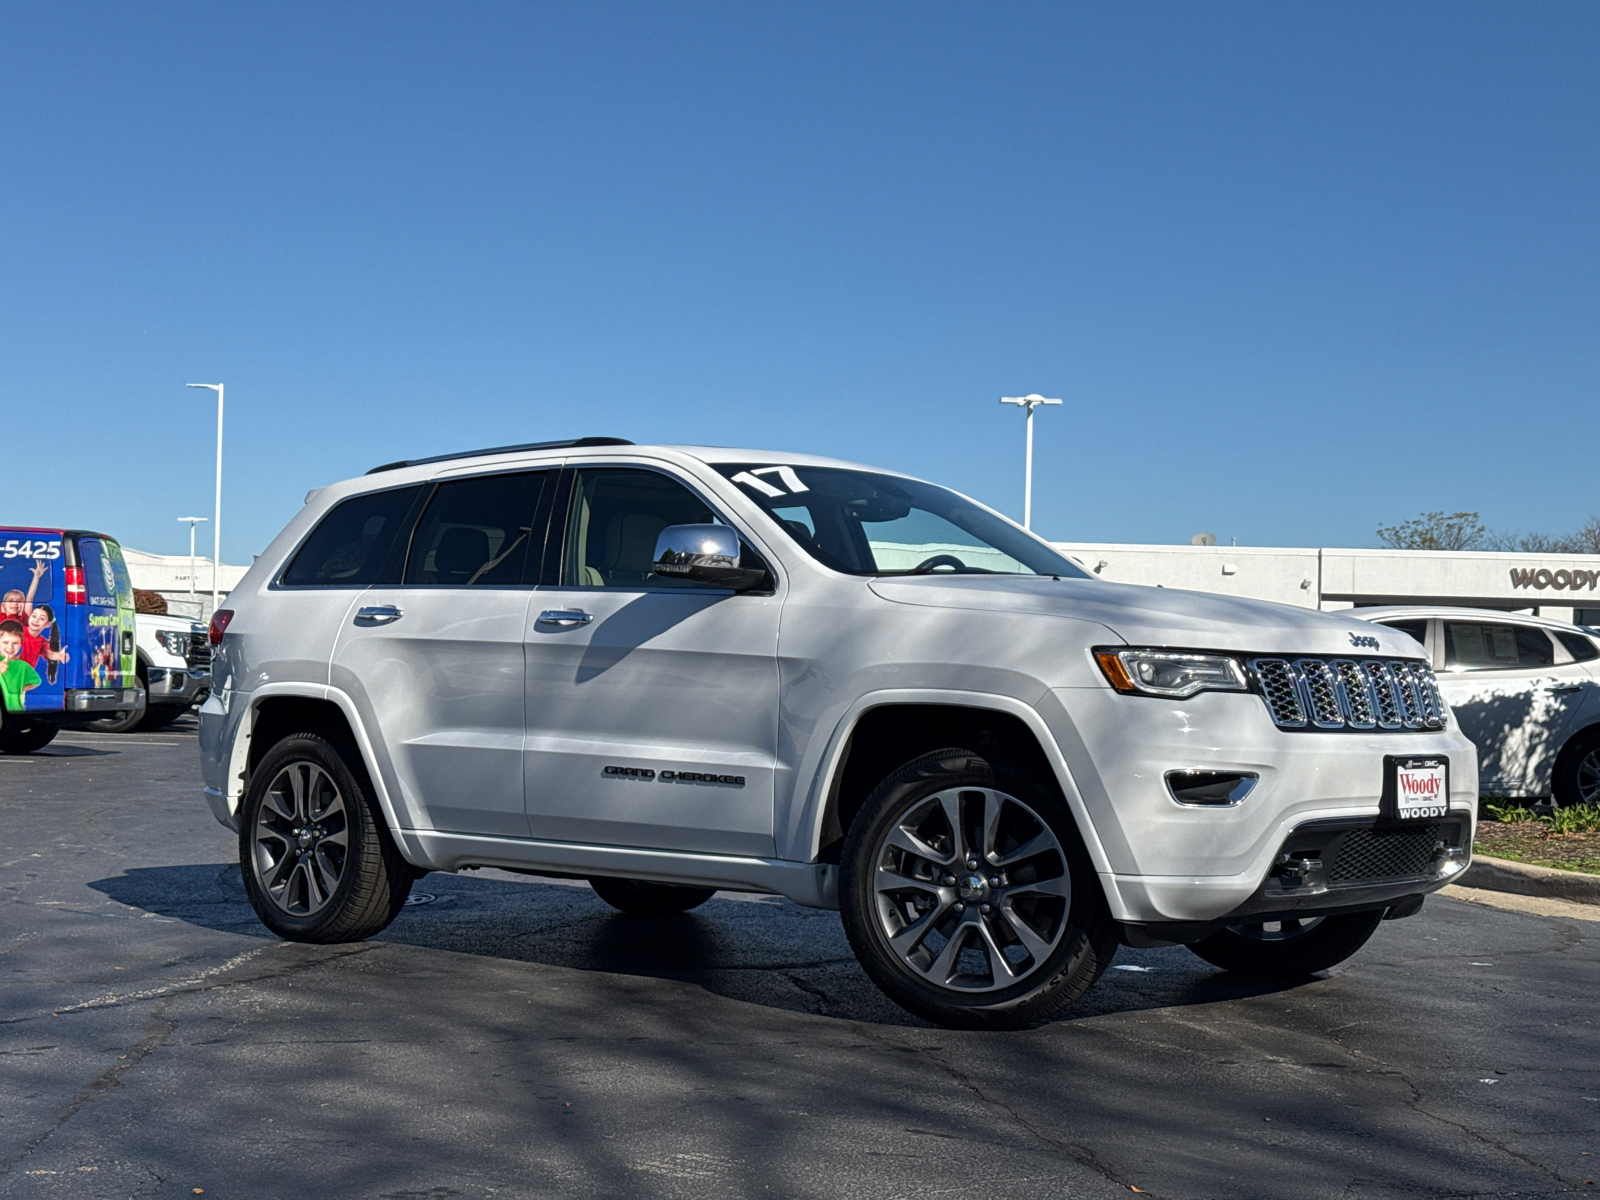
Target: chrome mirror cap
[{"x": 701, "y": 553}]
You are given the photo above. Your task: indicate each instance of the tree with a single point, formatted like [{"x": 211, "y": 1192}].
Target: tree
[
  {"x": 1587, "y": 539},
  {"x": 1436, "y": 531}
]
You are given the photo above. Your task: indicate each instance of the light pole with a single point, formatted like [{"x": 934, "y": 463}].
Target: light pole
[
  {"x": 216, "y": 524},
  {"x": 1029, "y": 402},
  {"x": 193, "y": 521}
]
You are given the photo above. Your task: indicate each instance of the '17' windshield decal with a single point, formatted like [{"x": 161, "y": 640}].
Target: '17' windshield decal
[{"x": 785, "y": 475}]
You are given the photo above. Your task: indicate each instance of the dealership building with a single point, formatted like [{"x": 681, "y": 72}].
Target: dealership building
[{"x": 1563, "y": 587}]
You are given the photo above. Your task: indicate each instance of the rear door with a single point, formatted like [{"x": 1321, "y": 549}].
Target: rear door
[
  {"x": 434, "y": 661},
  {"x": 106, "y": 652},
  {"x": 1512, "y": 697}
]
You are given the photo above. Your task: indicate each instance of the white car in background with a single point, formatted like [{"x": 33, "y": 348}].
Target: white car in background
[{"x": 1526, "y": 690}]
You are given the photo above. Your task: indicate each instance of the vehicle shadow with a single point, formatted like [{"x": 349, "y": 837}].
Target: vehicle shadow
[{"x": 760, "y": 950}]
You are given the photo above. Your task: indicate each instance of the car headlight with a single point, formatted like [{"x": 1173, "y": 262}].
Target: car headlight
[{"x": 1172, "y": 673}]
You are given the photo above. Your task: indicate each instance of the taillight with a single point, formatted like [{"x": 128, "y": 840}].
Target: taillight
[
  {"x": 77, "y": 593},
  {"x": 219, "y": 625}
]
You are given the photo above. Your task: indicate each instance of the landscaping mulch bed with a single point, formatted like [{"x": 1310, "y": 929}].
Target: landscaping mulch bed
[{"x": 1532, "y": 842}]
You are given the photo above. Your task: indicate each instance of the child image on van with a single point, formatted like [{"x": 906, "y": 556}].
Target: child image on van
[
  {"x": 16, "y": 676},
  {"x": 36, "y": 645},
  {"x": 14, "y": 606}
]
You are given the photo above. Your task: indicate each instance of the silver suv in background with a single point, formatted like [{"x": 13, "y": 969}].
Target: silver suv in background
[{"x": 671, "y": 670}]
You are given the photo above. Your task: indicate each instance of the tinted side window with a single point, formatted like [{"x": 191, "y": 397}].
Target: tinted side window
[
  {"x": 613, "y": 522},
  {"x": 476, "y": 531},
  {"x": 1416, "y": 629},
  {"x": 349, "y": 545},
  {"x": 1482, "y": 647},
  {"x": 1580, "y": 647}
]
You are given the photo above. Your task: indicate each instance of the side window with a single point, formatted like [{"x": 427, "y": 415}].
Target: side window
[
  {"x": 476, "y": 531},
  {"x": 612, "y": 524},
  {"x": 349, "y": 545},
  {"x": 1470, "y": 646},
  {"x": 1580, "y": 647},
  {"x": 1415, "y": 629}
]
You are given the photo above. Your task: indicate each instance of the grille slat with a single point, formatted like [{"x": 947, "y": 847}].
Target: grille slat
[{"x": 1343, "y": 693}]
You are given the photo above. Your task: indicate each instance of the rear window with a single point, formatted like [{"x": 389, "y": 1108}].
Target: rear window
[
  {"x": 350, "y": 545},
  {"x": 1580, "y": 647},
  {"x": 1471, "y": 646}
]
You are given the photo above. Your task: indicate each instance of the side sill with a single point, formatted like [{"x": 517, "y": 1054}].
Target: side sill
[{"x": 815, "y": 885}]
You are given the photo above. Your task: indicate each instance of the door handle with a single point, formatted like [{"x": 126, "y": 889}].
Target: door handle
[
  {"x": 565, "y": 616},
  {"x": 378, "y": 612},
  {"x": 1566, "y": 691}
]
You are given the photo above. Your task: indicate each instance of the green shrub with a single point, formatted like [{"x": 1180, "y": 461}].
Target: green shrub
[
  {"x": 1575, "y": 818},
  {"x": 1510, "y": 814}
]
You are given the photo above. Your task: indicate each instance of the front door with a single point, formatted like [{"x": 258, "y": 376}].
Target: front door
[
  {"x": 435, "y": 661},
  {"x": 1512, "y": 698},
  {"x": 652, "y": 704}
]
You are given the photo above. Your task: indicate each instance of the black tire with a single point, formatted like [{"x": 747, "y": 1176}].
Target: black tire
[
  {"x": 362, "y": 881},
  {"x": 639, "y": 896},
  {"x": 24, "y": 737},
  {"x": 126, "y": 722},
  {"x": 159, "y": 716},
  {"x": 1293, "y": 950},
  {"x": 1576, "y": 779},
  {"x": 1053, "y": 890}
]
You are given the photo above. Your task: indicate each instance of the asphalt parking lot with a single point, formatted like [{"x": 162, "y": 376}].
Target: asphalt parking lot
[{"x": 513, "y": 1037}]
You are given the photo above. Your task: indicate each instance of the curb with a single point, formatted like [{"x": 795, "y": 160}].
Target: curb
[{"x": 1503, "y": 875}]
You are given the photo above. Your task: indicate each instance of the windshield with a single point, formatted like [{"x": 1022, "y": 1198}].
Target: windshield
[{"x": 867, "y": 524}]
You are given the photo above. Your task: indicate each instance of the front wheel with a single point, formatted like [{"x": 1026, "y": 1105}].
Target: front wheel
[
  {"x": 645, "y": 898},
  {"x": 968, "y": 897},
  {"x": 317, "y": 859},
  {"x": 24, "y": 737},
  {"x": 1288, "y": 948}
]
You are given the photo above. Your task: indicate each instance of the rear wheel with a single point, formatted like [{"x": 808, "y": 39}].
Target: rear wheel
[
  {"x": 1293, "y": 947},
  {"x": 640, "y": 896},
  {"x": 1577, "y": 774},
  {"x": 317, "y": 859},
  {"x": 126, "y": 722},
  {"x": 968, "y": 897},
  {"x": 24, "y": 737}
]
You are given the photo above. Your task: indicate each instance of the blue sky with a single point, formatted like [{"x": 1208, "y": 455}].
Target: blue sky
[{"x": 1297, "y": 269}]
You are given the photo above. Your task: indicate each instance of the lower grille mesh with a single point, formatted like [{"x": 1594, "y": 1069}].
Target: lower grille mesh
[{"x": 1367, "y": 854}]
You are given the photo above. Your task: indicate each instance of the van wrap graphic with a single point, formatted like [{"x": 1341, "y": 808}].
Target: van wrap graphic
[{"x": 48, "y": 646}]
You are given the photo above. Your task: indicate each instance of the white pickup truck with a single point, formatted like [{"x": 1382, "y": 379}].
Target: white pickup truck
[{"x": 174, "y": 673}]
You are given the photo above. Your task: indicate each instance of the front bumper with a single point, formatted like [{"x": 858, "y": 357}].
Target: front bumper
[
  {"x": 177, "y": 685},
  {"x": 1328, "y": 867}
]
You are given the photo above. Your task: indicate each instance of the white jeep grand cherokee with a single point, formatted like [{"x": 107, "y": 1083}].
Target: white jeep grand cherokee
[{"x": 670, "y": 670}]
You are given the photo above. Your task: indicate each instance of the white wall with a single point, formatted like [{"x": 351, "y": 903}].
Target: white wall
[{"x": 1555, "y": 585}]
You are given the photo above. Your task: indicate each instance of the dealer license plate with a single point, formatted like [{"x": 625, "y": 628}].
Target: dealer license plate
[{"x": 1415, "y": 789}]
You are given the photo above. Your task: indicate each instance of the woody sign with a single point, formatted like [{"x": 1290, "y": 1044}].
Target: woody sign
[{"x": 1574, "y": 580}]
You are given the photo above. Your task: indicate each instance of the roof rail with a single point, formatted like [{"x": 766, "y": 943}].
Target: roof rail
[{"x": 584, "y": 441}]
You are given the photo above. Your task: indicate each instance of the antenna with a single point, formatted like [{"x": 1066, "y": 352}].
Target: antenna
[{"x": 1203, "y": 539}]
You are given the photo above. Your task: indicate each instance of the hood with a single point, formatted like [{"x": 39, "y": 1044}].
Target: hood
[{"x": 1153, "y": 616}]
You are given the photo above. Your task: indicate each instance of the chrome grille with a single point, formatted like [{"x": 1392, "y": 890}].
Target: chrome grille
[
  {"x": 1282, "y": 691},
  {"x": 199, "y": 655},
  {"x": 1322, "y": 692},
  {"x": 1355, "y": 693},
  {"x": 1343, "y": 693}
]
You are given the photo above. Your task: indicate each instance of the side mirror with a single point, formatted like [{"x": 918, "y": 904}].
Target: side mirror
[{"x": 703, "y": 554}]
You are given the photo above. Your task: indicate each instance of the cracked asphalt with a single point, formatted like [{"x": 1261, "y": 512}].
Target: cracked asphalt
[{"x": 512, "y": 1037}]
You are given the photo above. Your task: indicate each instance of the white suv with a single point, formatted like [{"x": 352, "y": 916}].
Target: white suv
[{"x": 670, "y": 670}]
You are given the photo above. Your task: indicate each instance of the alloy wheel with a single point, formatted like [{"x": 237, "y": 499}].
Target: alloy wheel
[
  {"x": 302, "y": 839},
  {"x": 971, "y": 889},
  {"x": 1589, "y": 777}
]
